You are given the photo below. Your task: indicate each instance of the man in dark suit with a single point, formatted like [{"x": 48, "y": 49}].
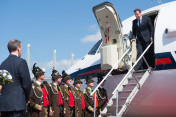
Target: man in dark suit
[
  {"x": 14, "y": 96},
  {"x": 143, "y": 33}
]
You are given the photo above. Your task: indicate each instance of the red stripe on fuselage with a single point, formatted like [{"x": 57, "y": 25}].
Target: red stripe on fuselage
[
  {"x": 89, "y": 72},
  {"x": 163, "y": 61}
]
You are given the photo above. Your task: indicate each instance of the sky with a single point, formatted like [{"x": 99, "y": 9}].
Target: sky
[{"x": 67, "y": 26}]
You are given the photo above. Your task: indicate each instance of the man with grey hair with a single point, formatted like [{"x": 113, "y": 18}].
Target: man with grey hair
[{"x": 14, "y": 96}]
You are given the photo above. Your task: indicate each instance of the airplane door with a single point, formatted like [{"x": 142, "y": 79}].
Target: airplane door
[
  {"x": 165, "y": 38},
  {"x": 109, "y": 23},
  {"x": 111, "y": 32}
]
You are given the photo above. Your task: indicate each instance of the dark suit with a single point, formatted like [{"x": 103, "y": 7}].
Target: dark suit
[
  {"x": 15, "y": 95},
  {"x": 143, "y": 33}
]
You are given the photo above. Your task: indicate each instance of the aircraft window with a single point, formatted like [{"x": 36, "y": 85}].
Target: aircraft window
[
  {"x": 99, "y": 48},
  {"x": 95, "y": 48}
]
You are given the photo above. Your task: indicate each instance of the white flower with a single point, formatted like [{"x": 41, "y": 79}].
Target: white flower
[
  {"x": 9, "y": 77},
  {"x": 4, "y": 74},
  {"x": 5, "y": 71},
  {"x": 0, "y": 71}
]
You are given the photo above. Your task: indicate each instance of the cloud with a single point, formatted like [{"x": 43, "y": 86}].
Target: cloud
[
  {"x": 92, "y": 28},
  {"x": 60, "y": 65},
  {"x": 92, "y": 38}
]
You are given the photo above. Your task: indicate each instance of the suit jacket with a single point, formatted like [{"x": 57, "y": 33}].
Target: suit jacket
[
  {"x": 36, "y": 99},
  {"x": 102, "y": 98},
  {"x": 15, "y": 95},
  {"x": 54, "y": 96},
  {"x": 145, "y": 30},
  {"x": 78, "y": 102},
  {"x": 66, "y": 99}
]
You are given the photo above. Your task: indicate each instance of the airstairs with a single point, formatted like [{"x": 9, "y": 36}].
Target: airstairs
[{"x": 126, "y": 90}]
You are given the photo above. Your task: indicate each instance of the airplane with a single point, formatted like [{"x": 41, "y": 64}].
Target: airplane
[
  {"x": 151, "y": 95},
  {"x": 91, "y": 62}
]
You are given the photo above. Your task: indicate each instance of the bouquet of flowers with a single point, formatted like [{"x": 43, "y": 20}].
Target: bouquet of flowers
[{"x": 5, "y": 78}]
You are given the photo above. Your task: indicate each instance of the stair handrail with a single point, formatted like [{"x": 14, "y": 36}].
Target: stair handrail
[
  {"x": 124, "y": 78},
  {"x": 110, "y": 71}
]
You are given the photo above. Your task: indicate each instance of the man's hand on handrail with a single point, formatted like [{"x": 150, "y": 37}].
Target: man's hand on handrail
[{"x": 133, "y": 40}]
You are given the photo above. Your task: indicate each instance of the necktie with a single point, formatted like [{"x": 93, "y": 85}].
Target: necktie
[
  {"x": 58, "y": 88},
  {"x": 41, "y": 85},
  {"x": 69, "y": 88},
  {"x": 139, "y": 22}
]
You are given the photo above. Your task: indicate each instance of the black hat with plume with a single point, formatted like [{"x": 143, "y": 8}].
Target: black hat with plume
[
  {"x": 55, "y": 74},
  {"x": 37, "y": 71},
  {"x": 100, "y": 77},
  {"x": 65, "y": 76},
  {"x": 89, "y": 79},
  {"x": 77, "y": 80}
]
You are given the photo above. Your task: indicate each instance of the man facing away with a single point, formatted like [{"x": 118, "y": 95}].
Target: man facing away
[
  {"x": 143, "y": 33},
  {"x": 14, "y": 96}
]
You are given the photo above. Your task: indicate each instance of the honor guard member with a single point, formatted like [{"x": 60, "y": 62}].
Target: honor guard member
[
  {"x": 47, "y": 85},
  {"x": 68, "y": 94},
  {"x": 79, "y": 98},
  {"x": 89, "y": 100},
  {"x": 39, "y": 100},
  {"x": 101, "y": 94},
  {"x": 56, "y": 101}
]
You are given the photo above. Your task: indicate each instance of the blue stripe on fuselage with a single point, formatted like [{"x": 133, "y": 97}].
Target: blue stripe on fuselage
[{"x": 91, "y": 68}]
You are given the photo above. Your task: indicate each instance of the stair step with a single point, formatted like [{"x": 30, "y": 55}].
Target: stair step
[
  {"x": 122, "y": 98},
  {"x": 108, "y": 114},
  {"x": 114, "y": 100},
  {"x": 120, "y": 105},
  {"x": 140, "y": 71},
  {"x": 114, "y": 106},
  {"x": 125, "y": 91},
  {"x": 130, "y": 84},
  {"x": 136, "y": 77},
  {"x": 112, "y": 109}
]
